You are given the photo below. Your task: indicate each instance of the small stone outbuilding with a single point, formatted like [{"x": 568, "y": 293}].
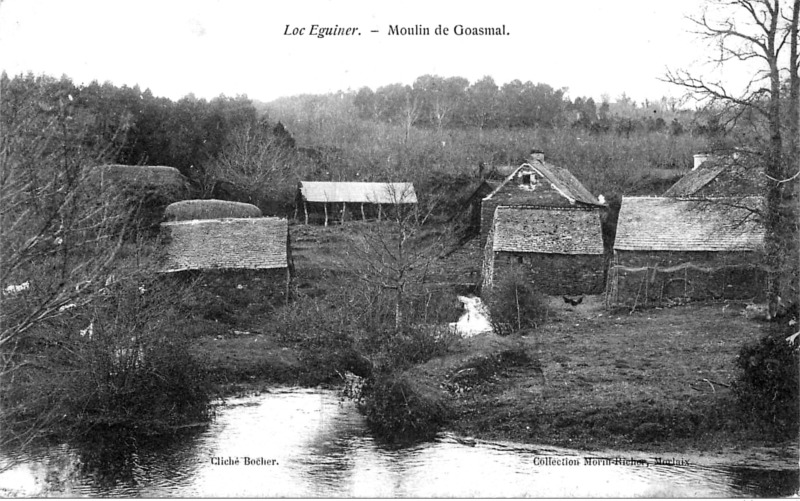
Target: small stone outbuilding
[
  {"x": 254, "y": 251},
  {"x": 560, "y": 248},
  {"x": 676, "y": 250},
  {"x": 544, "y": 219}
]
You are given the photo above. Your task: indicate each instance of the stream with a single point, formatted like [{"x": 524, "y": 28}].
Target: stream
[{"x": 311, "y": 443}]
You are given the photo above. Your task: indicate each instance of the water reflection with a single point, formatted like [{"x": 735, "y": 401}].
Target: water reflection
[
  {"x": 764, "y": 483},
  {"x": 312, "y": 444}
]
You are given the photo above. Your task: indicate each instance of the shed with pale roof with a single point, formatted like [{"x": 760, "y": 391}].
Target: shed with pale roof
[
  {"x": 674, "y": 249},
  {"x": 368, "y": 197}
]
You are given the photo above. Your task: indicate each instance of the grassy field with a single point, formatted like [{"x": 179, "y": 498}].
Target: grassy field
[{"x": 658, "y": 378}]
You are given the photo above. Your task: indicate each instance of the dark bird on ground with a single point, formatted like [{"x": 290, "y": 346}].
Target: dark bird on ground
[{"x": 573, "y": 302}]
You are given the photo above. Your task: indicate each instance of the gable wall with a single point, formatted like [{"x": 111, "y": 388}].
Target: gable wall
[{"x": 512, "y": 194}]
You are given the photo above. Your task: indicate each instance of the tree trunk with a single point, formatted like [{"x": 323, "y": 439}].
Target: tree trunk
[{"x": 774, "y": 169}]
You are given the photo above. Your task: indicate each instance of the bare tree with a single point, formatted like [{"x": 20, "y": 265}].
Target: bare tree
[
  {"x": 60, "y": 234},
  {"x": 254, "y": 158},
  {"x": 743, "y": 32},
  {"x": 393, "y": 256}
]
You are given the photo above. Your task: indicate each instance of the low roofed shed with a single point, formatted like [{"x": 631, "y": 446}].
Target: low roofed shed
[
  {"x": 226, "y": 244},
  {"x": 361, "y": 194}
]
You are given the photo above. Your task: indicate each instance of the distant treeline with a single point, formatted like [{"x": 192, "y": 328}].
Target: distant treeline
[
  {"x": 133, "y": 126},
  {"x": 437, "y": 102},
  {"x": 235, "y": 148}
]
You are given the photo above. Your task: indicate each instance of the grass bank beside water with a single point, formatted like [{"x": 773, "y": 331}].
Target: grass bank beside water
[{"x": 588, "y": 378}]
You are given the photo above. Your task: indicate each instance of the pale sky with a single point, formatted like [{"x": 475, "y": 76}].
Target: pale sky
[{"x": 209, "y": 47}]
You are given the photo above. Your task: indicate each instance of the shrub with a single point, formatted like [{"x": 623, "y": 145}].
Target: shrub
[
  {"x": 515, "y": 304},
  {"x": 766, "y": 386},
  {"x": 149, "y": 382},
  {"x": 321, "y": 331},
  {"x": 397, "y": 349},
  {"x": 398, "y": 411},
  {"x": 117, "y": 362}
]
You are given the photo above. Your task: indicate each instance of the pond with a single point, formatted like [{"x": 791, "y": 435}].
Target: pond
[{"x": 311, "y": 443}]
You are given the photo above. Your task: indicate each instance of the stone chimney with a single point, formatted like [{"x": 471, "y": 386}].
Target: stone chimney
[
  {"x": 537, "y": 156},
  {"x": 699, "y": 159}
]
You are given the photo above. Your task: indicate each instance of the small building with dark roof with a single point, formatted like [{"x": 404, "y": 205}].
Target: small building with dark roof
[
  {"x": 254, "y": 251},
  {"x": 673, "y": 249},
  {"x": 544, "y": 219},
  {"x": 326, "y": 201},
  {"x": 736, "y": 174}
]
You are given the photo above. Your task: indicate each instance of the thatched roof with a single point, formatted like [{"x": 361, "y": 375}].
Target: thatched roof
[
  {"x": 156, "y": 175},
  {"x": 384, "y": 193},
  {"x": 568, "y": 188},
  {"x": 209, "y": 209},
  {"x": 670, "y": 224},
  {"x": 209, "y": 244},
  {"x": 548, "y": 231},
  {"x": 722, "y": 176}
]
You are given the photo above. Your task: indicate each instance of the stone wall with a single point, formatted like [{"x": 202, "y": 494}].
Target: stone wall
[
  {"x": 241, "y": 288},
  {"x": 555, "y": 274},
  {"x": 487, "y": 216},
  {"x": 462, "y": 267},
  {"x": 657, "y": 277}
]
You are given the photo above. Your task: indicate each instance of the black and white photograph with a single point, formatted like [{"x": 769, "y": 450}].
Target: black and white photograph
[{"x": 418, "y": 249}]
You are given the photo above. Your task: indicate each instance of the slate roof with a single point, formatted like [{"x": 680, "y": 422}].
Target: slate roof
[
  {"x": 559, "y": 178},
  {"x": 547, "y": 231},
  {"x": 731, "y": 175},
  {"x": 232, "y": 243},
  {"x": 670, "y": 224},
  {"x": 384, "y": 193}
]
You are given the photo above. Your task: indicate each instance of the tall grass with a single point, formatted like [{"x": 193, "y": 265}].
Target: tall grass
[{"x": 605, "y": 163}]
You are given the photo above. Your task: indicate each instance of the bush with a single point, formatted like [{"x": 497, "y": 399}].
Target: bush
[
  {"x": 397, "y": 411},
  {"x": 767, "y": 384},
  {"x": 515, "y": 304},
  {"x": 150, "y": 383},
  {"x": 114, "y": 363},
  {"x": 397, "y": 349}
]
